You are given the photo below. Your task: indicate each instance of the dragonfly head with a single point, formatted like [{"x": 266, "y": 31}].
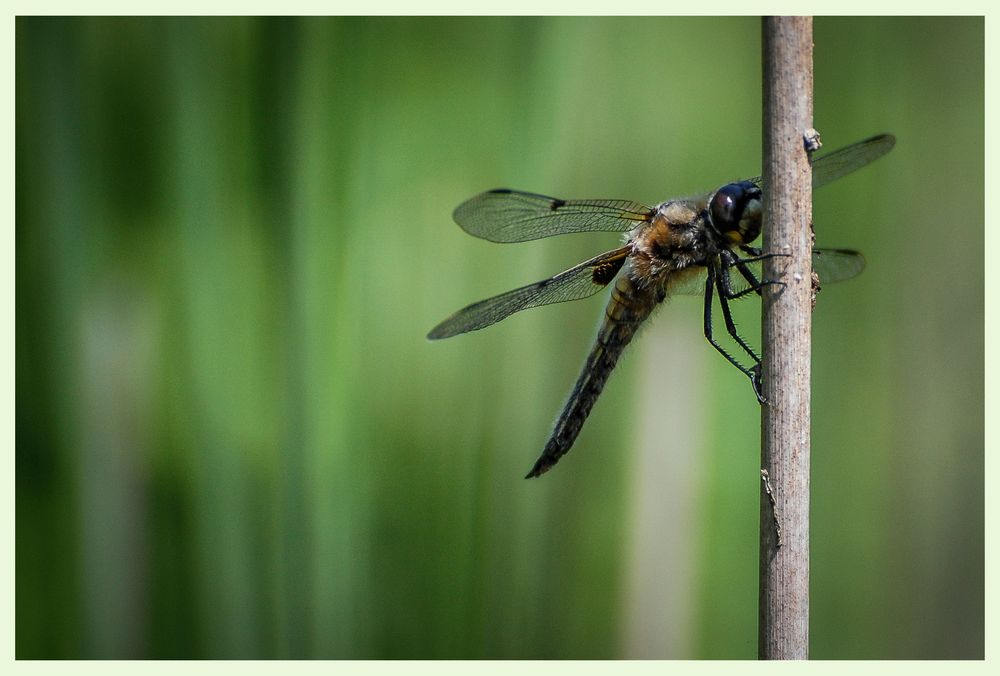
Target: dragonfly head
[{"x": 734, "y": 212}]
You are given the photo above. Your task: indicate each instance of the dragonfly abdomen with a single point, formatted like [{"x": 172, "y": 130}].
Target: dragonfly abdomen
[{"x": 628, "y": 307}]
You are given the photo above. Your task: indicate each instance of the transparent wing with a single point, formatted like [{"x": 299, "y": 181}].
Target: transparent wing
[
  {"x": 689, "y": 282},
  {"x": 580, "y": 281},
  {"x": 832, "y": 265},
  {"x": 836, "y": 265},
  {"x": 831, "y": 166},
  {"x": 512, "y": 216},
  {"x": 828, "y": 168}
]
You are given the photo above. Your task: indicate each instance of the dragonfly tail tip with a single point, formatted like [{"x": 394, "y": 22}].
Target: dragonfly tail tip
[{"x": 542, "y": 465}]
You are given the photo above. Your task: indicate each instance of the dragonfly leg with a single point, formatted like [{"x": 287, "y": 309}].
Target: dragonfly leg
[
  {"x": 729, "y": 259},
  {"x": 754, "y": 254},
  {"x": 725, "y": 294},
  {"x": 752, "y": 373}
]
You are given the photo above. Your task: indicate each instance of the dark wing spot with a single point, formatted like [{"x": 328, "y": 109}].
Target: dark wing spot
[
  {"x": 557, "y": 204},
  {"x": 604, "y": 272}
]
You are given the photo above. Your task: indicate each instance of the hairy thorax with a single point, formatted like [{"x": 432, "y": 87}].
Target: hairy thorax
[{"x": 673, "y": 242}]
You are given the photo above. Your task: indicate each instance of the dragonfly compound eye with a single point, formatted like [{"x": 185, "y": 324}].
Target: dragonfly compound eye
[{"x": 735, "y": 211}]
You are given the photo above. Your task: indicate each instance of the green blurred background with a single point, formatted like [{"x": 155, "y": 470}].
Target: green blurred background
[{"x": 234, "y": 441}]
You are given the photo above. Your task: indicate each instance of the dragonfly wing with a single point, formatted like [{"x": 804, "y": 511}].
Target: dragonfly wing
[
  {"x": 688, "y": 282},
  {"x": 836, "y": 265},
  {"x": 512, "y": 216},
  {"x": 580, "y": 281},
  {"x": 831, "y": 166},
  {"x": 692, "y": 282},
  {"x": 828, "y": 168}
]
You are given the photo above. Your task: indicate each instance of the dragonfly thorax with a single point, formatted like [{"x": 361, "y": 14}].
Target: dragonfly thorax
[{"x": 675, "y": 238}]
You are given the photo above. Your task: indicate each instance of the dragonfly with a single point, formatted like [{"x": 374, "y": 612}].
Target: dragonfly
[{"x": 698, "y": 245}]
